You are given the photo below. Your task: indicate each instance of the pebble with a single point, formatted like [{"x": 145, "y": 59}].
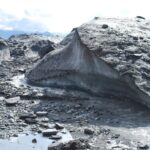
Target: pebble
[
  {"x": 144, "y": 147},
  {"x": 30, "y": 121},
  {"x": 15, "y": 135},
  {"x": 55, "y": 137},
  {"x": 12, "y": 101},
  {"x": 59, "y": 126},
  {"x": 49, "y": 132},
  {"x": 104, "y": 26},
  {"x": 27, "y": 115},
  {"x": 88, "y": 131},
  {"x": 70, "y": 145},
  {"x": 44, "y": 125},
  {"x": 34, "y": 141},
  {"x": 46, "y": 120},
  {"x": 116, "y": 136},
  {"x": 41, "y": 113}
]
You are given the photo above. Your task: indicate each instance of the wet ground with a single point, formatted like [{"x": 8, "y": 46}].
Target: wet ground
[
  {"x": 106, "y": 123},
  {"x": 32, "y": 141},
  {"x": 115, "y": 124},
  {"x": 24, "y": 142}
]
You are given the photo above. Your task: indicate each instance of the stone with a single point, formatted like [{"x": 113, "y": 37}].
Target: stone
[
  {"x": 45, "y": 120},
  {"x": 49, "y": 132},
  {"x": 71, "y": 145},
  {"x": 55, "y": 137},
  {"x": 44, "y": 125},
  {"x": 30, "y": 121},
  {"x": 104, "y": 26},
  {"x": 12, "y": 101},
  {"x": 41, "y": 113},
  {"x": 55, "y": 146},
  {"x": 22, "y": 70},
  {"x": 15, "y": 135},
  {"x": 59, "y": 126},
  {"x": 96, "y": 18},
  {"x": 140, "y": 17},
  {"x": 116, "y": 136},
  {"x": 27, "y": 115},
  {"x": 144, "y": 147},
  {"x": 88, "y": 131},
  {"x": 34, "y": 140}
]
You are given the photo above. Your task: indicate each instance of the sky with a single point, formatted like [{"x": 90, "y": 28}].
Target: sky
[{"x": 61, "y": 16}]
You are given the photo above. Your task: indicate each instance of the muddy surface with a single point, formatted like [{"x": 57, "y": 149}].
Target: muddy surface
[{"x": 105, "y": 123}]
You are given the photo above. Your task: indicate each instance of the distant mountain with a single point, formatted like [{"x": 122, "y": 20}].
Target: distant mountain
[{"x": 7, "y": 33}]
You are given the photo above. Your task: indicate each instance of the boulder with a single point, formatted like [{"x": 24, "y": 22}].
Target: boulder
[{"x": 12, "y": 101}]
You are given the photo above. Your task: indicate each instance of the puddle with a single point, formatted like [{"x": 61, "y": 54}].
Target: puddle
[{"x": 24, "y": 142}]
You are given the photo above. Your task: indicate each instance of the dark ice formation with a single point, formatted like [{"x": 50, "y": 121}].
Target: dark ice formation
[{"x": 75, "y": 67}]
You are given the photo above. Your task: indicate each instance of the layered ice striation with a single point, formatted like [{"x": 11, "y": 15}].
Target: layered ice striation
[{"x": 76, "y": 67}]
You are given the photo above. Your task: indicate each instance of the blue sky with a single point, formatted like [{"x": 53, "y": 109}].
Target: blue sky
[{"x": 62, "y": 15}]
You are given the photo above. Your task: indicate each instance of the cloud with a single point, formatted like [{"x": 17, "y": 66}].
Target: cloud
[{"x": 63, "y": 15}]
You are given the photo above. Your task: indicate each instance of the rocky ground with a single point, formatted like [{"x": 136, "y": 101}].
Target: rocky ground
[{"x": 95, "y": 123}]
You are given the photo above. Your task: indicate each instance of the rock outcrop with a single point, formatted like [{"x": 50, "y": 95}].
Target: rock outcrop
[
  {"x": 33, "y": 45},
  {"x": 76, "y": 67}
]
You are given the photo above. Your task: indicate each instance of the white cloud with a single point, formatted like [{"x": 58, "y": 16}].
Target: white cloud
[{"x": 63, "y": 15}]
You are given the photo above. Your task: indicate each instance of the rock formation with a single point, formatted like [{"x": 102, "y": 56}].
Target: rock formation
[
  {"x": 75, "y": 67},
  {"x": 30, "y": 45}
]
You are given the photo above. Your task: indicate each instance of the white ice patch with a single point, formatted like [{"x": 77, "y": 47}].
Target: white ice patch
[{"x": 18, "y": 81}]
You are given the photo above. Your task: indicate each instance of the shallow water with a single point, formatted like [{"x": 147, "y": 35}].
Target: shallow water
[{"x": 24, "y": 141}]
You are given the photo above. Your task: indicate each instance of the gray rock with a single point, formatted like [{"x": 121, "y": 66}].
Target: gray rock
[
  {"x": 55, "y": 146},
  {"x": 30, "y": 121},
  {"x": 55, "y": 137},
  {"x": 30, "y": 46},
  {"x": 88, "y": 131},
  {"x": 71, "y": 145},
  {"x": 46, "y": 120},
  {"x": 34, "y": 140},
  {"x": 41, "y": 113},
  {"x": 44, "y": 125},
  {"x": 144, "y": 147},
  {"x": 27, "y": 115},
  {"x": 140, "y": 17},
  {"x": 104, "y": 26},
  {"x": 49, "y": 132},
  {"x": 12, "y": 101},
  {"x": 42, "y": 47},
  {"x": 59, "y": 126}
]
